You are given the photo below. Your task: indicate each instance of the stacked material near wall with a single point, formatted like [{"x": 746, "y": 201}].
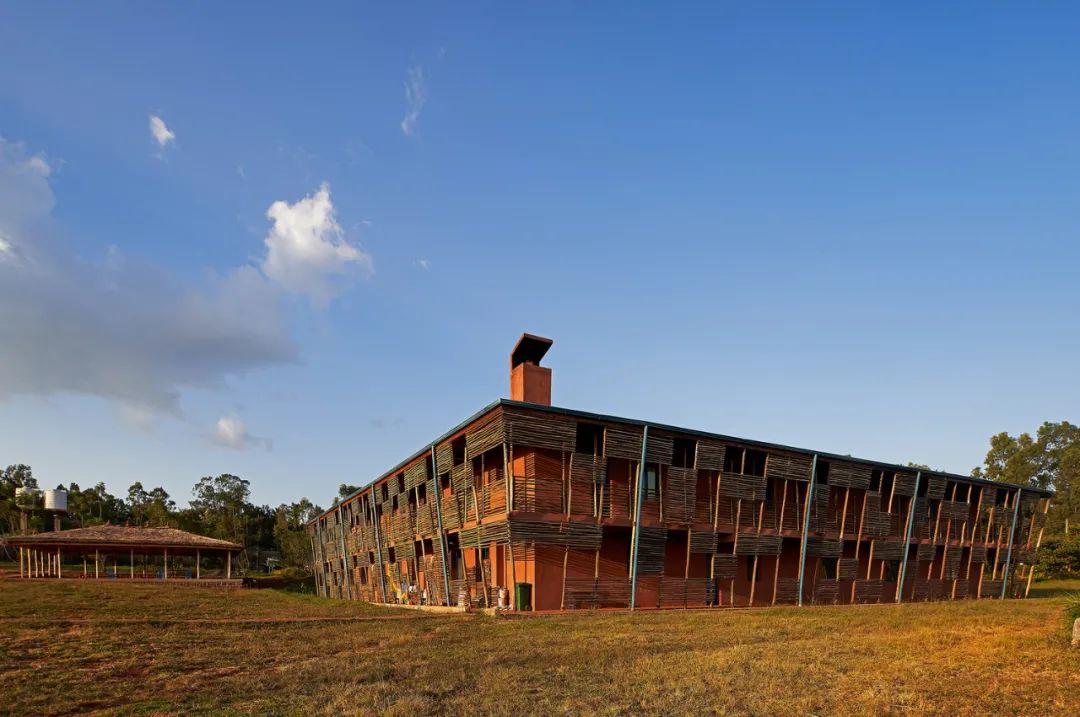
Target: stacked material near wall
[{"x": 558, "y": 499}]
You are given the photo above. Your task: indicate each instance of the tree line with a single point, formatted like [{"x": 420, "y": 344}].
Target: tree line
[{"x": 220, "y": 507}]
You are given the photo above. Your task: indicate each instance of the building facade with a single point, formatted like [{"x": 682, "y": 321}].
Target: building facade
[{"x": 589, "y": 511}]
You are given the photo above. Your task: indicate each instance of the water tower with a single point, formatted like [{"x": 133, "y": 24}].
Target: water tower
[{"x": 56, "y": 503}]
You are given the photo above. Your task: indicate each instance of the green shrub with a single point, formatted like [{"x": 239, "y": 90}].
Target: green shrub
[{"x": 1059, "y": 556}]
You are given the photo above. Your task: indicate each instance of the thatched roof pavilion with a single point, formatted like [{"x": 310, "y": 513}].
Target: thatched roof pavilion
[{"x": 41, "y": 554}]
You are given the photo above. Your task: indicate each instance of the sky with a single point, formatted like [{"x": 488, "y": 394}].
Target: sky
[{"x": 297, "y": 242}]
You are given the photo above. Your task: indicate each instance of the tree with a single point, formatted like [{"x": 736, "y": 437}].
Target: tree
[
  {"x": 1050, "y": 460},
  {"x": 290, "y": 533},
  {"x": 221, "y": 505},
  {"x": 345, "y": 490}
]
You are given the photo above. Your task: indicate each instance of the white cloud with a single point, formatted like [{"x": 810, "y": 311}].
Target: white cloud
[
  {"x": 231, "y": 432},
  {"x": 114, "y": 327},
  {"x": 415, "y": 99},
  {"x": 160, "y": 131},
  {"x": 424, "y": 264},
  {"x": 306, "y": 246},
  {"x": 126, "y": 331}
]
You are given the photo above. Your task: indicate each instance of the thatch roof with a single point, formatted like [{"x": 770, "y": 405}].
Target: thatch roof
[{"x": 121, "y": 536}]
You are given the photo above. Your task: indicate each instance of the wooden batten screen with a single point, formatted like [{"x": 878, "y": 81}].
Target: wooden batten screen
[
  {"x": 485, "y": 437},
  {"x": 652, "y": 544},
  {"x": 935, "y": 487},
  {"x": 888, "y": 550},
  {"x": 824, "y": 548},
  {"x": 480, "y": 536},
  {"x": 680, "y": 495},
  {"x": 659, "y": 450},
  {"x": 725, "y": 566},
  {"x": 904, "y": 484},
  {"x": 847, "y": 568},
  {"x": 444, "y": 458},
  {"x": 573, "y": 534},
  {"x": 556, "y": 433},
  {"x": 826, "y": 592},
  {"x": 540, "y": 488},
  {"x": 869, "y": 591},
  {"x": 849, "y": 475},
  {"x": 710, "y": 455},
  {"x": 954, "y": 510},
  {"x": 736, "y": 485},
  {"x": 703, "y": 542},
  {"x": 417, "y": 474},
  {"x": 875, "y": 521},
  {"x": 978, "y": 553},
  {"x": 925, "y": 552},
  {"x": 623, "y": 442},
  {"x": 758, "y": 545},
  {"x": 788, "y": 466},
  {"x": 587, "y": 473}
]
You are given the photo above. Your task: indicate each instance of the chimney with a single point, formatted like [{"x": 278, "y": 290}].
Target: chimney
[{"x": 529, "y": 381}]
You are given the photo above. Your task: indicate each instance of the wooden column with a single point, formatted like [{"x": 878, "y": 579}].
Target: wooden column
[
  {"x": 132, "y": 563},
  {"x": 165, "y": 566},
  {"x": 1038, "y": 543},
  {"x": 96, "y": 573},
  {"x": 21, "y": 576},
  {"x": 228, "y": 565},
  {"x": 58, "y": 569},
  {"x": 806, "y": 526},
  {"x": 198, "y": 564}
]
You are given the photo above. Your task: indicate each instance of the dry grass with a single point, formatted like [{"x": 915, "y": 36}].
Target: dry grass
[{"x": 963, "y": 658}]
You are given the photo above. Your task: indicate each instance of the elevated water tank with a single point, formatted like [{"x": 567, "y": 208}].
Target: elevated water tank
[{"x": 56, "y": 500}]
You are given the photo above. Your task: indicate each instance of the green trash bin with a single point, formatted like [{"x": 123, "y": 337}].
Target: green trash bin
[{"x": 523, "y": 596}]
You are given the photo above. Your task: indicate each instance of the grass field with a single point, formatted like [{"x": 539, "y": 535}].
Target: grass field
[{"x": 70, "y": 648}]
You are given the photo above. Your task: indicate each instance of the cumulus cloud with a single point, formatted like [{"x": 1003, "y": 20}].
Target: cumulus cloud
[
  {"x": 231, "y": 432},
  {"x": 423, "y": 264},
  {"x": 160, "y": 131},
  {"x": 415, "y": 99},
  {"x": 306, "y": 247},
  {"x": 127, "y": 331}
]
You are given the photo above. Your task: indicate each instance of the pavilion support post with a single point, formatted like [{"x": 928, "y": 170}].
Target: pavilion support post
[
  {"x": 21, "y": 563},
  {"x": 96, "y": 575},
  {"x": 198, "y": 564},
  {"x": 165, "y": 566},
  {"x": 228, "y": 565},
  {"x": 59, "y": 571},
  {"x": 132, "y": 556}
]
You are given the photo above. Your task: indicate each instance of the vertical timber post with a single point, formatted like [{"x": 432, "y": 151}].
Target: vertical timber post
[
  {"x": 378, "y": 544},
  {"x": 637, "y": 519},
  {"x": 907, "y": 539},
  {"x": 437, "y": 494},
  {"x": 806, "y": 526},
  {"x": 344, "y": 554},
  {"x": 1012, "y": 537}
]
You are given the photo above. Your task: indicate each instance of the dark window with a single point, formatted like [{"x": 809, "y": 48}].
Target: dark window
[
  {"x": 875, "y": 480},
  {"x": 371, "y": 557},
  {"x": 401, "y": 483},
  {"x": 363, "y": 576},
  {"x": 393, "y": 504},
  {"x": 750, "y": 569},
  {"x": 651, "y": 487},
  {"x": 485, "y": 553},
  {"x": 755, "y": 462},
  {"x": 770, "y": 494},
  {"x": 390, "y": 554},
  {"x": 892, "y": 570},
  {"x": 458, "y": 446},
  {"x": 444, "y": 483},
  {"x": 590, "y": 438},
  {"x": 422, "y": 492},
  {"x": 385, "y": 492},
  {"x": 683, "y": 453},
  {"x": 828, "y": 567},
  {"x": 733, "y": 460},
  {"x": 821, "y": 474}
]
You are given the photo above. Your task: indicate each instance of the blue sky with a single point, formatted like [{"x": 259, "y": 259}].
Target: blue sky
[{"x": 849, "y": 227}]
